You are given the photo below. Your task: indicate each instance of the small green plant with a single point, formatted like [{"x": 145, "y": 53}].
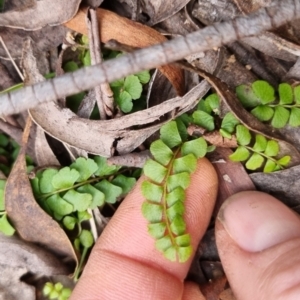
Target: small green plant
[
  {"x": 255, "y": 150},
  {"x": 129, "y": 88},
  {"x": 125, "y": 90},
  {"x": 263, "y": 152},
  {"x": 9, "y": 150},
  {"x": 82, "y": 244},
  {"x": 228, "y": 125},
  {"x": 86, "y": 184},
  {"x": 56, "y": 291},
  {"x": 280, "y": 109},
  {"x": 206, "y": 111},
  {"x": 69, "y": 193},
  {"x": 168, "y": 175},
  {"x": 2, "y": 5}
]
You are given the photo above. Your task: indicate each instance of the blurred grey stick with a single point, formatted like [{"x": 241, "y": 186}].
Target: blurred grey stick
[{"x": 207, "y": 38}]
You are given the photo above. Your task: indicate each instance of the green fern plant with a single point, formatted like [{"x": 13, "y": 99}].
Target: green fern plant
[
  {"x": 255, "y": 150},
  {"x": 279, "y": 109},
  {"x": 168, "y": 175},
  {"x": 56, "y": 291},
  {"x": 128, "y": 89},
  {"x": 264, "y": 152},
  {"x": 206, "y": 112},
  {"x": 125, "y": 90},
  {"x": 9, "y": 150},
  {"x": 67, "y": 193}
]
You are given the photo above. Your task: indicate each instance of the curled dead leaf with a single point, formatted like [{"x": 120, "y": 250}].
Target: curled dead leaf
[
  {"x": 29, "y": 219},
  {"x": 130, "y": 33},
  {"x": 250, "y": 6},
  {"x": 105, "y": 136},
  {"x": 233, "y": 177},
  {"x": 227, "y": 295},
  {"x": 14, "y": 288},
  {"x": 30, "y": 257},
  {"x": 45, "y": 39},
  {"x": 273, "y": 45},
  {"x": 38, "y": 16},
  {"x": 283, "y": 185},
  {"x": 213, "y": 289},
  {"x": 135, "y": 159},
  {"x": 159, "y": 10},
  {"x": 42, "y": 152},
  {"x": 213, "y": 137}
]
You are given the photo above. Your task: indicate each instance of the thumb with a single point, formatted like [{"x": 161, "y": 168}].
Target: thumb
[{"x": 258, "y": 239}]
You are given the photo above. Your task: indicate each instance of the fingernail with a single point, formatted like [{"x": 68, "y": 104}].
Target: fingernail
[{"x": 257, "y": 221}]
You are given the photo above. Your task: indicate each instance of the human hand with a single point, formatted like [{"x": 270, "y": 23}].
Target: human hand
[{"x": 125, "y": 264}]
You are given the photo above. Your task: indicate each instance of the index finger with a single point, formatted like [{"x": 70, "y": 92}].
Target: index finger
[{"x": 125, "y": 249}]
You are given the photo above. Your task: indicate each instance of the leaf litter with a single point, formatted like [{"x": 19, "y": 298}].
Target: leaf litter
[
  {"x": 25, "y": 213},
  {"x": 118, "y": 137}
]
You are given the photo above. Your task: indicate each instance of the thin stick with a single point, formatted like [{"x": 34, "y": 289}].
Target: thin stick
[
  {"x": 11, "y": 59},
  {"x": 93, "y": 225},
  {"x": 106, "y": 92},
  {"x": 94, "y": 45},
  {"x": 205, "y": 39}
]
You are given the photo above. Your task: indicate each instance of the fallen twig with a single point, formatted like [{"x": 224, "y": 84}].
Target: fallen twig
[{"x": 210, "y": 37}]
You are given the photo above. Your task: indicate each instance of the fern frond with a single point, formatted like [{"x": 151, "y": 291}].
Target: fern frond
[
  {"x": 168, "y": 175},
  {"x": 86, "y": 184},
  {"x": 280, "y": 109},
  {"x": 264, "y": 152}
]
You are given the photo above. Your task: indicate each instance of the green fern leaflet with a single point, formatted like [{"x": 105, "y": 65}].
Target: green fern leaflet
[
  {"x": 168, "y": 175},
  {"x": 280, "y": 109}
]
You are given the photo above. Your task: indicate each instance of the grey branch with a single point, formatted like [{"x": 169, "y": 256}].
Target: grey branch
[{"x": 210, "y": 37}]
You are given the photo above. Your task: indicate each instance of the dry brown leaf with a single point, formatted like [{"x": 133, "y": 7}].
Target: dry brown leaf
[
  {"x": 227, "y": 295},
  {"x": 31, "y": 222},
  {"x": 30, "y": 257},
  {"x": 105, "y": 136},
  {"x": 130, "y": 33},
  {"x": 213, "y": 137},
  {"x": 160, "y": 88},
  {"x": 208, "y": 11},
  {"x": 213, "y": 289},
  {"x": 93, "y": 3},
  {"x": 250, "y": 6},
  {"x": 39, "y": 15},
  {"x": 135, "y": 159},
  {"x": 17, "y": 4},
  {"x": 232, "y": 176},
  {"x": 159, "y": 10},
  {"x": 45, "y": 39},
  {"x": 252, "y": 64},
  {"x": 268, "y": 44},
  {"x": 5, "y": 80},
  {"x": 293, "y": 75},
  {"x": 43, "y": 153},
  {"x": 283, "y": 185},
  {"x": 11, "y": 286}
]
